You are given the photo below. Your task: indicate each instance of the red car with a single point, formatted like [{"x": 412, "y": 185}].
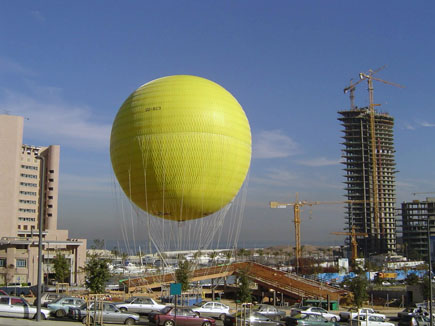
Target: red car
[{"x": 185, "y": 317}]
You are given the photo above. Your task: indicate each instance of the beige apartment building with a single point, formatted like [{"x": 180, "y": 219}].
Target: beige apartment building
[{"x": 20, "y": 191}]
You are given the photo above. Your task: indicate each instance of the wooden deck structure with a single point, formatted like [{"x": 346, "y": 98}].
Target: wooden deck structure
[{"x": 290, "y": 285}]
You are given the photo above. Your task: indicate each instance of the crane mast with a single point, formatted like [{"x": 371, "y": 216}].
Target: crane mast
[{"x": 297, "y": 218}]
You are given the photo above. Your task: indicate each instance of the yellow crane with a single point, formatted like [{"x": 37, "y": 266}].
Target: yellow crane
[
  {"x": 297, "y": 217},
  {"x": 354, "y": 243},
  {"x": 351, "y": 88}
]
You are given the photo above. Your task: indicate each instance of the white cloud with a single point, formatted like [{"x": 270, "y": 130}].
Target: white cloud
[
  {"x": 273, "y": 144},
  {"x": 426, "y": 124},
  {"x": 409, "y": 126},
  {"x": 321, "y": 161},
  {"x": 52, "y": 120}
]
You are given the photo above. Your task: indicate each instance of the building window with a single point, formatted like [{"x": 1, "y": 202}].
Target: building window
[
  {"x": 28, "y": 184},
  {"x": 29, "y": 167},
  {"x": 27, "y": 219},
  {"x": 2, "y": 262},
  {"x": 50, "y": 206},
  {"x": 50, "y": 215},
  {"x": 25, "y": 201},
  {"x": 29, "y": 193},
  {"x": 51, "y": 171},
  {"x": 30, "y": 176},
  {"x": 21, "y": 263},
  {"x": 51, "y": 180},
  {"x": 50, "y": 188},
  {"x": 27, "y": 210}
]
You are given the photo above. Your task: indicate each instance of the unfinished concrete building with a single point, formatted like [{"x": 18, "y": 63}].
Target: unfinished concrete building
[
  {"x": 415, "y": 216},
  {"x": 370, "y": 178}
]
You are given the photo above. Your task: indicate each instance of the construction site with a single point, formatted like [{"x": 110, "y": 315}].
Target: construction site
[{"x": 368, "y": 156}]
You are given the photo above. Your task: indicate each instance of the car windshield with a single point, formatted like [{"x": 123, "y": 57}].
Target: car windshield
[
  {"x": 57, "y": 300},
  {"x": 165, "y": 310},
  {"x": 130, "y": 300}
]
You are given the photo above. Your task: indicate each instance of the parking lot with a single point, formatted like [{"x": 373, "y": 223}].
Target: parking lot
[{"x": 391, "y": 314}]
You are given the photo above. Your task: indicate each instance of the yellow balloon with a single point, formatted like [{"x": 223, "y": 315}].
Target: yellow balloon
[{"x": 181, "y": 147}]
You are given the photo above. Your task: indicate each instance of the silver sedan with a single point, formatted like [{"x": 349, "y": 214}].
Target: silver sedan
[{"x": 104, "y": 313}]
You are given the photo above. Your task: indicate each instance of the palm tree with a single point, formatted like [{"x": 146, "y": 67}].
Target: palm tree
[
  {"x": 242, "y": 252},
  {"x": 228, "y": 255},
  {"x": 212, "y": 256}
]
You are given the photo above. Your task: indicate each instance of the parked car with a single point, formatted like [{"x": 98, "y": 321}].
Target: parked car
[
  {"x": 363, "y": 320},
  {"x": 109, "y": 312},
  {"x": 414, "y": 320},
  {"x": 152, "y": 316},
  {"x": 140, "y": 305},
  {"x": 308, "y": 320},
  {"x": 61, "y": 306},
  {"x": 183, "y": 317},
  {"x": 315, "y": 311},
  {"x": 412, "y": 312},
  {"x": 353, "y": 313},
  {"x": 48, "y": 297},
  {"x": 249, "y": 318},
  {"x": 270, "y": 311},
  {"x": 19, "y": 308},
  {"x": 212, "y": 309}
]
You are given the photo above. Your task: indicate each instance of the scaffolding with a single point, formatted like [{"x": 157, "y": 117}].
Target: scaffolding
[{"x": 370, "y": 178}]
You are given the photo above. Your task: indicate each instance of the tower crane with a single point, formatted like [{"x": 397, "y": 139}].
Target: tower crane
[
  {"x": 354, "y": 243},
  {"x": 297, "y": 217},
  {"x": 370, "y": 78},
  {"x": 351, "y": 89}
]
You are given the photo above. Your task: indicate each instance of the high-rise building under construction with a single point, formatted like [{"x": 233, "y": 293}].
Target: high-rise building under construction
[{"x": 370, "y": 178}]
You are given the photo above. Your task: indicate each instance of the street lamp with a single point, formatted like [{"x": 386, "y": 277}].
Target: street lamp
[{"x": 41, "y": 216}]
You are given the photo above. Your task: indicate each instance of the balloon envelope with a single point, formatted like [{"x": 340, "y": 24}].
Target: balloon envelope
[{"x": 180, "y": 147}]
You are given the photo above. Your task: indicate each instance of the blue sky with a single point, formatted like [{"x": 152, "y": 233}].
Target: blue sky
[{"x": 67, "y": 66}]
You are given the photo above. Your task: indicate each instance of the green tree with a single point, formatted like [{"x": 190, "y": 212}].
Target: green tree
[
  {"x": 244, "y": 290},
  {"x": 358, "y": 286},
  {"x": 61, "y": 267},
  {"x": 115, "y": 252},
  {"x": 182, "y": 274},
  {"x": 213, "y": 256},
  {"x": 412, "y": 279},
  {"x": 242, "y": 253},
  {"x": 97, "y": 273},
  {"x": 228, "y": 255}
]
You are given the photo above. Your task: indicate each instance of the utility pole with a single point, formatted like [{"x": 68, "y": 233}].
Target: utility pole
[{"x": 40, "y": 224}]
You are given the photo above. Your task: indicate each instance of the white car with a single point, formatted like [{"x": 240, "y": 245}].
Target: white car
[
  {"x": 212, "y": 309},
  {"x": 139, "y": 305},
  {"x": 315, "y": 311},
  {"x": 353, "y": 313},
  {"x": 372, "y": 321},
  {"x": 19, "y": 308}
]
